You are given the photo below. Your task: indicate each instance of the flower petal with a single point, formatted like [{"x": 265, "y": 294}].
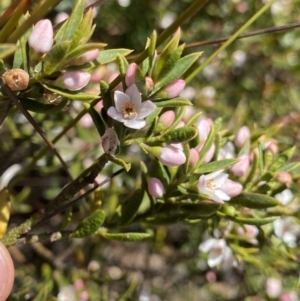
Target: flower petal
[
  {"x": 120, "y": 100},
  {"x": 134, "y": 96},
  {"x": 146, "y": 108},
  {"x": 113, "y": 113},
  {"x": 135, "y": 123},
  {"x": 207, "y": 245}
]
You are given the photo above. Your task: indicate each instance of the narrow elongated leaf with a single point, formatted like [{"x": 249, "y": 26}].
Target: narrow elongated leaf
[
  {"x": 216, "y": 165},
  {"x": 121, "y": 163},
  {"x": 174, "y": 102},
  {"x": 80, "y": 96},
  {"x": 107, "y": 56},
  {"x": 56, "y": 57},
  {"x": 202, "y": 209},
  {"x": 130, "y": 207},
  {"x": 254, "y": 201},
  {"x": 207, "y": 145},
  {"x": 176, "y": 136},
  {"x": 74, "y": 20},
  {"x": 180, "y": 68},
  {"x": 255, "y": 221},
  {"x": 289, "y": 167},
  {"x": 84, "y": 29},
  {"x": 90, "y": 224},
  {"x": 167, "y": 61},
  {"x": 282, "y": 159},
  {"x": 98, "y": 122},
  {"x": 7, "y": 49},
  {"x": 126, "y": 236},
  {"x": 81, "y": 49},
  {"x": 38, "y": 107}
]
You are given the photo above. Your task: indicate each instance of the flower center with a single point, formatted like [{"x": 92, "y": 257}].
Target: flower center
[
  {"x": 211, "y": 185},
  {"x": 129, "y": 111}
]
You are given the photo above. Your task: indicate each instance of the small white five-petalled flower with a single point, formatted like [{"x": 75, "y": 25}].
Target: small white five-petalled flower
[
  {"x": 212, "y": 185},
  {"x": 130, "y": 109}
]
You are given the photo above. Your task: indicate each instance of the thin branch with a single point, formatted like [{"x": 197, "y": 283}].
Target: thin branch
[
  {"x": 14, "y": 99},
  {"x": 246, "y": 35}
]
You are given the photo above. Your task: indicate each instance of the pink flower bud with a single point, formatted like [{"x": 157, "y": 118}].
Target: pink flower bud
[
  {"x": 194, "y": 157},
  {"x": 284, "y": 177},
  {"x": 288, "y": 296},
  {"x": 240, "y": 168},
  {"x": 171, "y": 156},
  {"x": 272, "y": 147},
  {"x": 110, "y": 141},
  {"x": 167, "y": 118},
  {"x": 232, "y": 188},
  {"x": 242, "y": 136},
  {"x": 156, "y": 188},
  {"x": 273, "y": 287},
  {"x": 89, "y": 56},
  {"x": 78, "y": 284},
  {"x": 204, "y": 126},
  {"x": 75, "y": 80},
  {"x": 149, "y": 83},
  {"x": 130, "y": 74},
  {"x": 41, "y": 38},
  {"x": 84, "y": 296},
  {"x": 174, "y": 88},
  {"x": 7, "y": 273}
]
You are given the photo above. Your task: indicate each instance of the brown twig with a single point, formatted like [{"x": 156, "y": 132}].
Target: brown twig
[{"x": 14, "y": 100}]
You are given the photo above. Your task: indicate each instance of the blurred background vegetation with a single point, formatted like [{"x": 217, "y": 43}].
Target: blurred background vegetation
[{"x": 255, "y": 82}]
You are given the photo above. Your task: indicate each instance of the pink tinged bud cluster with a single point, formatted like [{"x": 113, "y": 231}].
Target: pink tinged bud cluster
[
  {"x": 110, "y": 141},
  {"x": 156, "y": 188},
  {"x": 250, "y": 232},
  {"x": 218, "y": 187},
  {"x": 175, "y": 88},
  {"x": 172, "y": 156},
  {"x": 75, "y": 80},
  {"x": 41, "y": 37},
  {"x": 242, "y": 136},
  {"x": 129, "y": 108}
]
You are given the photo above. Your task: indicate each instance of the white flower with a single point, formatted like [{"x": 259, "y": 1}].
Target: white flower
[
  {"x": 130, "y": 109},
  {"x": 212, "y": 184},
  {"x": 284, "y": 197},
  {"x": 287, "y": 230},
  {"x": 218, "y": 252}
]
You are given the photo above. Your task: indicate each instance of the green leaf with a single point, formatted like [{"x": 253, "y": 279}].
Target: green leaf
[
  {"x": 80, "y": 96},
  {"x": 123, "y": 64},
  {"x": 282, "y": 159},
  {"x": 131, "y": 236},
  {"x": 107, "y": 56},
  {"x": 174, "y": 102},
  {"x": 180, "y": 68},
  {"x": 120, "y": 162},
  {"x": 106, "y": 95},
  {"x": 84, "y": 29},
  {"x": 207, "y": 145},
  {"x": 130, "y": 207},
  {"x": 74, "y": 20},
  {"x": 216, "y": 165},
  {"x": 7, "y": 49},
  {"x": 98, "y": 122},
  {"x": 289, "y": 167},
  {"x": 141, "y": 82},
  {"x": 90, "y": 224},
  {"x": 255, "y": 221},
  {"x": 55, "y": 58},
  {"x": 38, "y": 107},
  {"x": 254, "y": 201},
  {"x": 176, "y": 136},
  {"x": 81, "y": 49},
  {"x": 152, "y": 51},
  {"x": 201, "y": 209}
]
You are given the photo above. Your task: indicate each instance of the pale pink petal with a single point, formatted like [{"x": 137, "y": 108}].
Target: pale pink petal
[
  {"x": 113, "y": 113},
  {"x": 134, "y": 96},
  {"x": 120, "y": 100},
  {"x": 146, "y": 108},
  {"x": 135, "y": 123}
]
